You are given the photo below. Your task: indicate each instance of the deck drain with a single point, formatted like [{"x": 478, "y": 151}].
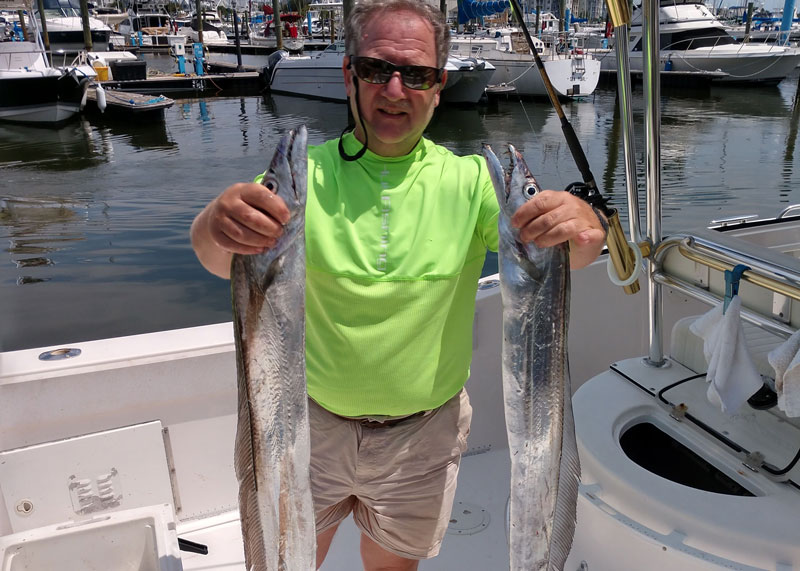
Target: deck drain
[{"x": 467, "y": 519}]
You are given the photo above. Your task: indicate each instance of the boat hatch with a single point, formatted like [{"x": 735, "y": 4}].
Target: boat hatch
[
  {"x": 692, "y": 264},
  {"x": 85, "y": 477},
  {"x": 658, "y": 452}
]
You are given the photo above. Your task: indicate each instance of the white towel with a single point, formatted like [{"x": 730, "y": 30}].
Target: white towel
[
  {"x": 785, "y": 359},
  {"x": 732, "y": 376}
]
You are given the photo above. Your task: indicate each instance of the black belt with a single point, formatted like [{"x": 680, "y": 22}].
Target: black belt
[{"x": 388, "y": 423}]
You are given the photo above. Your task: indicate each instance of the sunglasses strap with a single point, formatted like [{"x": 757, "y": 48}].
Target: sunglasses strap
[{"x": 360, "y": 153}]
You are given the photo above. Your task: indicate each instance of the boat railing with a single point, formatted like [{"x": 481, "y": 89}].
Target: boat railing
[
  {"x": 713, "y": 42},
  {"x": 694, "y": 264}
]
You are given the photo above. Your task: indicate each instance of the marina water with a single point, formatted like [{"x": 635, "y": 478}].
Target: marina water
[{"x": 95, "y": 215}]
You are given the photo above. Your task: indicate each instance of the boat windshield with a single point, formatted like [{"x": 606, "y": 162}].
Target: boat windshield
[
  {"x": 692, "y": 39},
  {"x": 69, "y": 8}
]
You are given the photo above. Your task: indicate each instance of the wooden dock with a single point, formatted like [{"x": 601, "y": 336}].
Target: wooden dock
[
  {"x": 233, "y": 83},
  {"x": 126, "y": 103}
]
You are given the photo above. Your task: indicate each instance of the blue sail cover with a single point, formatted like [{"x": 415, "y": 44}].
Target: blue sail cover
[{"x": 472, "y": 9}]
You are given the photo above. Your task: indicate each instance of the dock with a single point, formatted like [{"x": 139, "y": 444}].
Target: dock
[
  {"x": 234, "y": 83},
  {"x": 682, "y": 79},
  {"x": 138, "y": 105}
]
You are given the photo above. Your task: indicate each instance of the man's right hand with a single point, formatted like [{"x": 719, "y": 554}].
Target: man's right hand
[{"x": 247, "y": 218}]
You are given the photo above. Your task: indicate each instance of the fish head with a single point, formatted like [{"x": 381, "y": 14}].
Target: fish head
[
  {"x": 514, "y": 184},
  {"x": 286, "y": 175}
]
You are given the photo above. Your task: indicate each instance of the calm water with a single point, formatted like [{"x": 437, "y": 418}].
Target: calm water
[{"x": 94, "y": 216}]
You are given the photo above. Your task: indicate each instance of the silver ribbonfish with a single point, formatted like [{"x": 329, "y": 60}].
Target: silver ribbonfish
[
  {"x": 538, "y": 405},
  {"x": 272, "y": 452}
]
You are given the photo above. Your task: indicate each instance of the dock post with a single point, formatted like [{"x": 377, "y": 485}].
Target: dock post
[
  {"x": 45, "y": 35},
  {"x": 87, "y": 31},
  {"x": 236, "y": 37},
  {"x": 276, "y": 20}
]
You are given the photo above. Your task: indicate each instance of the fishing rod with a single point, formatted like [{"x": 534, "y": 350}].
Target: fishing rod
[{"x": 619, "y": 250}]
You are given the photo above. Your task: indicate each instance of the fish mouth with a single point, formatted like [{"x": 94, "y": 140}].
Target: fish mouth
[{"x": 292, "y": 146}]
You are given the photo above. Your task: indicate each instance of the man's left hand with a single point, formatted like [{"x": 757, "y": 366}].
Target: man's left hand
[{"x": 552, "y": 217}]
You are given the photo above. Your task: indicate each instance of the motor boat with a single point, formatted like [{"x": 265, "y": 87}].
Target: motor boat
[
  {"x": 120, "y": 451},
  {"x": 693, "y": 40},
  {"x": 65, "y": 27},
  {"x": 572, "y": 71},
  {"x": 157, "y": 29},
  {"x": 320, "y": 75},
  {"x": 213, "y": 32},
  {"x": 33, "y": 91},
  {"x": 110, "y": 16}
]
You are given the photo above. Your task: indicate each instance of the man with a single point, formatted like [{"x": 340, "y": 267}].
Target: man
[{"x": 396, "y": 233}]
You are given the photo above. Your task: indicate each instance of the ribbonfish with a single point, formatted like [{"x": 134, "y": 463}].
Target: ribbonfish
[
  {"x": 534, "y": 284},
  {"x": 272, "y": 450}
]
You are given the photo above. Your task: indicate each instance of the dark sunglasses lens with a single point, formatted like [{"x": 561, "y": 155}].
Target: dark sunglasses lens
[
  {"x": 373, "y": 70},
  {"x": 418, "y": 77}
]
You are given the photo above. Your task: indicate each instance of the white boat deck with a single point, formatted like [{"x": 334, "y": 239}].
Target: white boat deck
[{"x": 484, "y": 547}]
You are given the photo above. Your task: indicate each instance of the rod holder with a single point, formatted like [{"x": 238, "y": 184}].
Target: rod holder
[
  {"x": 622, "y": 258},
  {"x": 619, "y": 12}
]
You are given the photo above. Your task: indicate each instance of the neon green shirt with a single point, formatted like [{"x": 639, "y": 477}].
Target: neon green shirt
[{"x": 394, "y": 250}]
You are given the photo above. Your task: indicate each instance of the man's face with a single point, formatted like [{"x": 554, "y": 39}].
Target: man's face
[{"x": 395, "y": 115}]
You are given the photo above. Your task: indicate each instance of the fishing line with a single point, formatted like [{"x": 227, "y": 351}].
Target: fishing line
[{"x": 525, "y": 111}]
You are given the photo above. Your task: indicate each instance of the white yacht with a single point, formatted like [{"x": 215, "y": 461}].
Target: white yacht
[
  {"x": 157, "y": 29},
  {"x": 33, "y": 91},
  {"x": 694, "y": 40},
  {"x": 573, "y": 72},
  {"x": 320, "y": 75},
  {"x": 65, "y": 27},
  {"x": 213, "y": 29}
]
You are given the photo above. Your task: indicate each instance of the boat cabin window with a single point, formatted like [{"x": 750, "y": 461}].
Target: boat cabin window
[
  {"x": 62, "y": 8},
  {"x": 691, "y": 39}
]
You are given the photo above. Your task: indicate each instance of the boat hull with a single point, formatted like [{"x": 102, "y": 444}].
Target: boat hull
[
  {"x": 571, "y": 77},
  {"x": 41, "y": 99},
  {"x": 740, "y": 63},
  {"x": 321, "y": 77}
]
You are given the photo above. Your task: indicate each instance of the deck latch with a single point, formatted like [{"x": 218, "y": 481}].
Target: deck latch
[{"x": 754, "y": 460}]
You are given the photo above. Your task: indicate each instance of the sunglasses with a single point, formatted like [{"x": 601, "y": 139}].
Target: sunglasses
[{"x": 378, "y": 71}]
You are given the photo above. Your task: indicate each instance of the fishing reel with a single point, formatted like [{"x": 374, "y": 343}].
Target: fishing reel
[
  {"x": 624, "y": 257},
  {"x": 590, "y": 195}
]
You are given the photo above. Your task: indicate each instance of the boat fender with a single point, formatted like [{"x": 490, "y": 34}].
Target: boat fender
[{"x": 101, "y": 98}]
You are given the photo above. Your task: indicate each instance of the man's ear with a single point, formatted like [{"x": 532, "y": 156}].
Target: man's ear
[
  {"x": 441, "y": 86},
  {"x": 349, "y": 76}
]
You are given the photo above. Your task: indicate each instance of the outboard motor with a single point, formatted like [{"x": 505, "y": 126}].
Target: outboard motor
[{"x": 272, "y": 61}]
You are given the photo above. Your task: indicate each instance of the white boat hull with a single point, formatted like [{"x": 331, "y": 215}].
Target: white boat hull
[
  {"x": 741, "y": 63},
  {"x": 571, "y": 77}
]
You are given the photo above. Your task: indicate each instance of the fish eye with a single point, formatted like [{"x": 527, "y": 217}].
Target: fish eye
[
  {"x": 271, "y": 184},
  {"x": 529, "y": 190}
]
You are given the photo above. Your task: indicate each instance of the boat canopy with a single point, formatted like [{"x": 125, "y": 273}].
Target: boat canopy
[{"x": 15, "y": 5}]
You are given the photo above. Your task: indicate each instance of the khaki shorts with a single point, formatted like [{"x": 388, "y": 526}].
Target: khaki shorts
[{"x": 398, "y": 480}]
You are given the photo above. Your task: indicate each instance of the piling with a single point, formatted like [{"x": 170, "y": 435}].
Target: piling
[
  {"x": 276, "y": 19},
  {"x": 87, "y": 31},
  {"x": 236, "y": 37},
  {"x": 748, "y": 23},
  {"x": 45, "y": 35},
  {"x": 199, "y": 13},
  {"x": 21, "y": 16}
]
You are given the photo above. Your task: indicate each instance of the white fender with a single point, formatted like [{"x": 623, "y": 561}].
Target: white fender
[{"x": 101, "y": 98}]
